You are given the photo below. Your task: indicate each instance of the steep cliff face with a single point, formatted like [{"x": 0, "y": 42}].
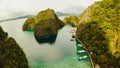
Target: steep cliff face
[
  {"x": 47, "y": 23},
  {"x": 99, "y": 29},
  {"x": 44, "y": 23},
  {"x": 11, "y": 55}
]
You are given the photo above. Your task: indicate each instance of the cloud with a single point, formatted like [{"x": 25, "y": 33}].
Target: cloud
[
  {"x": 34, "y": 6},
  {"x": 74, "y": 10},
  {"x": 40, "y": 4}
]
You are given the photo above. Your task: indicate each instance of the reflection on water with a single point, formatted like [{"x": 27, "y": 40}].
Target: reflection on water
[
  {"x": 62, "y": 54},
  {"x": 46, "y": 39}
]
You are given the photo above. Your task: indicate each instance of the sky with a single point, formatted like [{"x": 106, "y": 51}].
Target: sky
[{"x": 8, "y": 7}]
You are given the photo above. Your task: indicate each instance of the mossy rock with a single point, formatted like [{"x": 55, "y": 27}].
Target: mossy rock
[
  {"x": 46, "y": 29},
  {"x": 45, "y": 23},
  {"x": 11, "y": 55},
  {"x": 29, "y": 24}
]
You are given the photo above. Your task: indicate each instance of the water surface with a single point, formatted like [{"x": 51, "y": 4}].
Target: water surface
[{"x": 60, "y": 54}]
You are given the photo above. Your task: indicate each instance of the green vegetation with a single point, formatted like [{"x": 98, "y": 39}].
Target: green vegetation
[
  {"x": 40, "y": 18},
  {"x": 99, "y": 29},
  {"x": 43, "y": 17},
  {"x": 11, "y": 55},
  {"x": 46, "y": 14},
  {"x": 45, "y": 23},
  {"x": 29, "y": 24},
  {"x": 72, "y": 20}
]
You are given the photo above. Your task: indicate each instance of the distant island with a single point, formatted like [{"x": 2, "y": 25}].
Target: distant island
[
  {"x": 71, "y": 20},
  {"x": 58, "y": 13}
]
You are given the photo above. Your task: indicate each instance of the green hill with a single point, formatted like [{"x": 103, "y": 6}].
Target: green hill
[{"x": 99, "y": 30}]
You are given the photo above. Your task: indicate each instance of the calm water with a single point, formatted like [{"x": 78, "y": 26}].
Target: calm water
[{"x": 61, "y": 54}]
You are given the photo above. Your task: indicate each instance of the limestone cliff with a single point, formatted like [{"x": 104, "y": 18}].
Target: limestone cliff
[
  {"x": 99, "y": 30},
  {"x": 47, "y": 23},
  {"x": 44, "y": 23},
  {"x": 11, "y": 55}
]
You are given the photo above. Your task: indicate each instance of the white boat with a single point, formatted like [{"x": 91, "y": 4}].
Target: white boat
[
  {"x": 79, "y": 45},
  {"x": 82, "y": 58},
  {"x": 81, "y": 51}
]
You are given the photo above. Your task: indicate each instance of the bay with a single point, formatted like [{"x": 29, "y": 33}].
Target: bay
[{"x": 60, "y": 54}]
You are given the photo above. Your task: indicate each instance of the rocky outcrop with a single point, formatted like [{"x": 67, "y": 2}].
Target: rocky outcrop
[
  {"x": 11, "y": 55},
  {"x": 99, "y": 30},
  {"x": 45, "y": 23},
  {"x": 29, "y": 24}
]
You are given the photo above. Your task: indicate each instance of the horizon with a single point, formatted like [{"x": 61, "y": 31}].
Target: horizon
[{"x": 21, "y": 7}]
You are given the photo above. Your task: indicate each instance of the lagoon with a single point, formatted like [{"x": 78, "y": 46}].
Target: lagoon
[{"x": 60, "y": 54}]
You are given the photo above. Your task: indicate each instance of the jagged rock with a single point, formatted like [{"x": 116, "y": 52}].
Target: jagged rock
[
  {"x": 48, "y": 23},
  {"x": 45, "y": 23},
  {"x": 11, "y": 55}
]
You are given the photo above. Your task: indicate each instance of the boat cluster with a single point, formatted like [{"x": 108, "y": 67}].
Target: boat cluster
[{"x": 82, "y": 55}]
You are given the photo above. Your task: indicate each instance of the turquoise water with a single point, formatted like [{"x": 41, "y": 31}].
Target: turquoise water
[{"x": 60, "y": 54}]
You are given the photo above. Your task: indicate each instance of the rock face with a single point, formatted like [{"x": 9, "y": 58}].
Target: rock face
[
  {"x": 45, "y": 23},
  {"x": 99, "y": 30},
  {"x": 11, "y": 55}
]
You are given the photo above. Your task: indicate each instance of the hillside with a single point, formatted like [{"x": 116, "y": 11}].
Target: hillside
[
  {"x": 11, "y": 55},
  {"x": 99, "y": 30}
]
